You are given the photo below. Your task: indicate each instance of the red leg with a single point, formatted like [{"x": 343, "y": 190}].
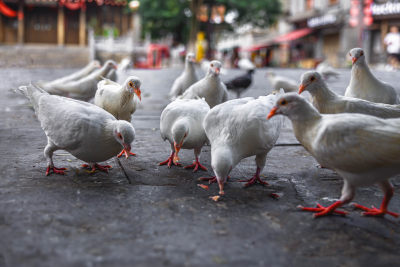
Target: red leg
[
  {"x": 126, "y": 153},
  {"x": 103, "y": 168},
  {"x": 322, "y": 211},
  {"x": 195, "y": 166},
  {"x": 383, "y": 209},
  {"x": 256, "y": 178},
  {"x": 210, "y": 180},
  {"x": 169, "y": 161},
  {"x": 55, "y": 170}
]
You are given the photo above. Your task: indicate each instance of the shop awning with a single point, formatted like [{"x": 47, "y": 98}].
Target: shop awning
[
  {"x": 294, "y": 35},
  {"x": 5, "y": 10}
]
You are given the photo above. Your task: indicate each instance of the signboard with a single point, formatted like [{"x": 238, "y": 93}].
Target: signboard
[
  {"x": 388, "y": 8},
  {"x": 322, "y": 20}
]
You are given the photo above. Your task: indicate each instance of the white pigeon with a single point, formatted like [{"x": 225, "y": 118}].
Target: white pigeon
[
  {"x": 181, "y": 124},
  {"x": 277, "y": 82},
  {"x": 328, "y": 102},
  {"x": 186, "y": 79},
  {"x": 119, "y": 99},
  {"x": 362, "y": 149},
  {"x": 93, "y": 65},
  {"x": 364, "y": 85},
  {"x": 122, "y": 67},
  {"x": 326, "y": 70},
  {"x": 84, "y": 88},
  {"x": 246, "y": 64},
  {"x": 86, "y": 131},
  {"x": 210, "y": 87},
  {"x": 238, "y": 129}
]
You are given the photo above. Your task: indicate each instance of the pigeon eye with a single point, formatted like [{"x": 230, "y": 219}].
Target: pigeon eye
[
  {"x": 212, "y": 65},
  {"x": 131, "y": 84},
  {"x": 185, "y": 135},
  {"x": 312, "y": 78},
  {"x": 120, "y": 136},
  {"x": 362, "y": 53},
  {"x": 283, "y": 102}
]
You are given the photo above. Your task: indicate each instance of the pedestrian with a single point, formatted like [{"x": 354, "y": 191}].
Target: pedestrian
[{"x": 392, "y": 42}]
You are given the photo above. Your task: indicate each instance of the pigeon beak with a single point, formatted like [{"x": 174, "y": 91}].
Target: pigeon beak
[
  {"x": 177, "y": 147},
  {"x": 354, "y": 59},
  {"x": 217, "y": 70},
  {"x": 138, "y": 92},
  {"x": 302, "y": 87},
  {"x": 115, "y": 67},
  {"x": 272, "y": 112}
]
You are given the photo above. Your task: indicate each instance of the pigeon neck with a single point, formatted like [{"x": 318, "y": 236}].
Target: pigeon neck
[
  {"x": 304, "y": 114},
  {"x": 323, "y": 94},
  {"x": 189, "y": 66},
  {"x": 360, "y": 71}
]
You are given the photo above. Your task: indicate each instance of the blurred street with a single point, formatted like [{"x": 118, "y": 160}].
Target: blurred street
[{"x": 162, "y": 217}]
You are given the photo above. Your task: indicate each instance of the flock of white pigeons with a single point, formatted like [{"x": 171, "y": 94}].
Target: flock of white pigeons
[{"x": 356, "y": 135}]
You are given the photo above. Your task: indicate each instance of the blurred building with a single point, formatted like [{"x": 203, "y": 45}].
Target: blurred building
[
  {"x": 311, "y": 31},
  {"x": 62, "y": 22}
]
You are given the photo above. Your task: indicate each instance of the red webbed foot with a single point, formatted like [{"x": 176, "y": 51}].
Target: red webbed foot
[
  {"x": 103, "y": 168},
  {"x": 170, "y": 161},
  {"x": 323, "y": 211},
  {"x": 210, "y": 180},
  {"x": 255, "y": 179},
  {"x": 55, "y": 170},
  {"x": 373, "y": 211},
  {"x": 195, "y": 166},
  {"x": 126, "y": 153}
]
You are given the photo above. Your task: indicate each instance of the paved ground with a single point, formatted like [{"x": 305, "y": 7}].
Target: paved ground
[{"x": 163, "y": 217}]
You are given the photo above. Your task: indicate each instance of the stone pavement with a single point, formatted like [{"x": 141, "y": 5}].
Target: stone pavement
[{"x": 162, "y": 218}]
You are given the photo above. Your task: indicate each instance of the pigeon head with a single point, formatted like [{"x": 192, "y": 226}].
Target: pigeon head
[
  {"x": 222, "y": 164},
  {"x": 357, "y": 55},
  {"x": 180, "y": 131},
  {"x": 124, "y": 133},
  {"x": 96, "y": 64},
  {"x": 215, "y": 67},
  {"x": 110, "y": 64},
  {"x": 132, "y": 84},
  {"x": 190, "y": 57},
  {"x": 310, "y": 81},
  {"x": 291, "y": 105}
]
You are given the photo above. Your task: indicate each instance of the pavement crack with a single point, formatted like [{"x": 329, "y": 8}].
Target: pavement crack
[
  {"x": 123, "y": 170},
  {"x": 296, "y": 192}
]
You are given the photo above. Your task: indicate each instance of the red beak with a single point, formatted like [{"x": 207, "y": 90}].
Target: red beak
[
  {"x": 138, "y": 93},
  {"x": 272, "y": 113},
  {"x": 302, "y": 87},
  {"x": 354, "y": 59},
  {"x": 217, "y": 70}
]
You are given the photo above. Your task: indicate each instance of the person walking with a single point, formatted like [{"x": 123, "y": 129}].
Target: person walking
[{"x": 392, "y": 42}]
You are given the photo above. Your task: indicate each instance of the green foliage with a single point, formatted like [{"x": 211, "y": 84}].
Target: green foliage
[{"x": 160, "y": 17}]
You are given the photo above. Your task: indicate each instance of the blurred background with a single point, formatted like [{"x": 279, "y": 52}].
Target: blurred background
[{"x": 158, "y": 33}]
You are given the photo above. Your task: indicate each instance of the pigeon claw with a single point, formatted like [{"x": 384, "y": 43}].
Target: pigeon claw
[
  {"x": 103, "y": 168},
  {"x": 373, "y": 211},
  {"x": 195, "y": 166},
  {"x": 323, "y": 211},
  {"x": 126, "y": 153},
  {"x": 255, "y": 179},
  {"x": 169, "y": 162},
  {"x": 210, "y": 180},
  {"x": 55, "y": 170}
]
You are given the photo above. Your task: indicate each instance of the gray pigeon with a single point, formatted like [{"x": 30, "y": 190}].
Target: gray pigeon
[
  {"x": 186, "y": 79},
  {"x": 210, "y": 87}
]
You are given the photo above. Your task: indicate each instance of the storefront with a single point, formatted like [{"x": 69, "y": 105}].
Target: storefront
[
  {"x": 385, "y": 15},
  {"x": 62, "y": 22},
  {"x": 327, "y": 31}
]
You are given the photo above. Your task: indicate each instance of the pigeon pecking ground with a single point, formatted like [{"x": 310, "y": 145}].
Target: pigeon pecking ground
[{"x": 162, "y": 217}]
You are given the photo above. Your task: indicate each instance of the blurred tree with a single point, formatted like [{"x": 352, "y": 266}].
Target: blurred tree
[{"x": 161, "y": 17}]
